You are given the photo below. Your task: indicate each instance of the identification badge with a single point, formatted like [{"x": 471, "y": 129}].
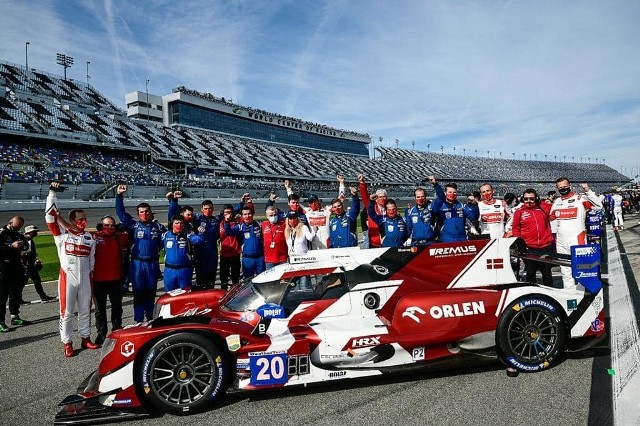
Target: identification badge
[
  {"x": 247, "y": 235},
  {"x": 273, "y": 244},
  {"x": 390, "y": 228}
]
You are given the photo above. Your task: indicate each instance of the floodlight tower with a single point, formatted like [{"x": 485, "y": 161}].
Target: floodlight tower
[{"x": 65, "y": 61}]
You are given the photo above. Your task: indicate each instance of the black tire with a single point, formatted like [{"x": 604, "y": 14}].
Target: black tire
[
  {"x": 531, "y": 334},
  {"x": 182, "y": 373}
]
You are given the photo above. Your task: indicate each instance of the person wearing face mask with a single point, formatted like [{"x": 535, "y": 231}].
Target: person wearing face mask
[
  {"x": 249, "y": 233},
  {"x": 343, "y": 225},
  {"x": 493, "y": 213},
  {"x": 392, "y": 226},
  {"x": 569, "y": 211},
  {"x": 146, "y": 243},
  {"x": 76, "y": 252},
  {"x": 531, "y": 223},
  {"x": 274, "y": 239},
  {"x": 374, "y": 232},
  {"x": 107, "y": 275},
  {"x": 418, "y": 219},
  {"x": 452, "y": 217},
  {"x": 11, "y": 272},
  {"x": 178, "y": 266}
]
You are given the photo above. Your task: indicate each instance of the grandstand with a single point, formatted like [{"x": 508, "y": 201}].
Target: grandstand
[{"x": 51, "y": 128}]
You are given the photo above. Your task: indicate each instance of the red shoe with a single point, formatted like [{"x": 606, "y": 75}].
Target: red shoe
[
  {"x": 88, "y": 344},
  {"x": 68, "y": 350}
]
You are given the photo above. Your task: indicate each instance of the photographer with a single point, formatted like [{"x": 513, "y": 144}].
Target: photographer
[
  {"x": 11, "y": 272},
  {"x": 32, "y": 264}
]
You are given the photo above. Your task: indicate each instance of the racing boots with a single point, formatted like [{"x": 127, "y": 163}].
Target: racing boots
[
  {"x": 88, "y": 344},
  {"x": 68, "y": 350}
]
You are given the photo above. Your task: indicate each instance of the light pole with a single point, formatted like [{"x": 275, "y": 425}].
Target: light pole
[
  {"x": 146, "y": 87},
  {"x": 26, "y": 55},
  {"x": 428, "y": 147},
  {"x": 88, "y": 76},
  {"x": 65, "y": 61}
]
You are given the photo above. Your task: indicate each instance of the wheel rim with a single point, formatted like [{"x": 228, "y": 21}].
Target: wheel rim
[
  {"x": 533, "y": 335},
  {"x": 182, "y": 374}
]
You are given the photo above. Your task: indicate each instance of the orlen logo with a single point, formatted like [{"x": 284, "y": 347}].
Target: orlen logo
[
  {"x": 457, "y": 310},
  {"x": 363, "y": 342},
  {"x": 449, "y": 251}
]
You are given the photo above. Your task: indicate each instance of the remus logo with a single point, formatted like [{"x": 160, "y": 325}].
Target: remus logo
[{"x": 452, "y": 251}]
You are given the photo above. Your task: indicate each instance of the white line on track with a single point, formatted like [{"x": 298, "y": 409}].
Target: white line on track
[{"x": 625, "y": 344}]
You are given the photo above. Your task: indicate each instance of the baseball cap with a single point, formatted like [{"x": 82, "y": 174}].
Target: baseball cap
[
  {"x": 292, "y": 215},
  {"x": 30, "y": 228},
  {"x": 312, "y": 198}
]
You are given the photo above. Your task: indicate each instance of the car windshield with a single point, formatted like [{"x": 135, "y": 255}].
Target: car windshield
[{"x": 250, "y": 295}]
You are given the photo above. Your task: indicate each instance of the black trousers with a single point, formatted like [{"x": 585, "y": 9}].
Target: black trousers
[
  {"x": 229, "y": 266},
  {"x": 531, "y": 266},
  {"x": 37, "y": 281},
  {"x": 112, "y": 290},
  {"x": 11, "y": 279}
]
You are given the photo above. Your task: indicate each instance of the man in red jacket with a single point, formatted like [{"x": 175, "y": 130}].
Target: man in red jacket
[
  {"x": 107, "y": 275},
  {"x": 379, "y": 207},
  {"x": 275, "y": 242},
  {"x": 531, "y": 223}
]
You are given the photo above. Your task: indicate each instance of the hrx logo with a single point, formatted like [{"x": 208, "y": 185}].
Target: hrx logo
[{"x": 363, "y": 342}]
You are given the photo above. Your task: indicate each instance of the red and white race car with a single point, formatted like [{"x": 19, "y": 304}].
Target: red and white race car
[{"x": 338, "y": 314}]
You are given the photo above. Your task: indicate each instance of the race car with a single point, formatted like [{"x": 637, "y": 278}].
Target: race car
[{"x": 340, "y": 314}]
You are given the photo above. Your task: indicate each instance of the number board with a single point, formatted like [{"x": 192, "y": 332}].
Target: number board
[{"x": 268, "y": 369}]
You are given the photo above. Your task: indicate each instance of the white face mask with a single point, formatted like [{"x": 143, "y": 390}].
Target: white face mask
[{"x": 273, "y": 219}]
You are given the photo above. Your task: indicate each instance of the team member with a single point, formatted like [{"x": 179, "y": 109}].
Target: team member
[
  {"x": 11, "y": 272},
  {"x": 570, "y": 213},
  {"x": 531, "y": 223},
  {"x": 418, "y": 219},
  {"x": 76, "y": 251},
  {"x": 178, "y": 267},
  {"x": 249, "y": 233},
  {"x": 275, "y": 242},
  {"x": 293, "y": 202},
  {"x": 32, "y": 263},
  {"x": 375, "y": 239},
  {"x": 392, "y": 226},
  {"x": 230, "y": 249},
  {"x": 492, "y": 213},
  {"x": 107, "y": 275},
  {"x": 144, "y": 268},
  {"x": 343, "y": 226},
  {"x": 618, "y": 218},
  {"x": 451, "y": 215}
]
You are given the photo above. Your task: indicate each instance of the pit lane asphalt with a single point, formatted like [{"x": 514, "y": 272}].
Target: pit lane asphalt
[{"x": 35, "y": 377}]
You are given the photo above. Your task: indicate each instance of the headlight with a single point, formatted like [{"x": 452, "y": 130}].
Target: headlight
[{"x": 107, "y": 347}]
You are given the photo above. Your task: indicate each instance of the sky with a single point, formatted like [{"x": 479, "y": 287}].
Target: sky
[{"x": 549, "y": 80}]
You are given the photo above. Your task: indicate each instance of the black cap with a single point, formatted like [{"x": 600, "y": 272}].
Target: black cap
[
  {"x": 292, "y": 215},
  {"x": 312, "y": 198}
]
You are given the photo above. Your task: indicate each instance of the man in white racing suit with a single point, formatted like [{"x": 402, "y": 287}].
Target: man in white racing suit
[
  {"x": 493, "y": 213},
  {"x": 569, "y": 211},
  {"x": 76, "y": 251}
]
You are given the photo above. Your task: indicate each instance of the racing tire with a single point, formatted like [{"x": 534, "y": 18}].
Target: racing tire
[
  {"x": 182, "y": 373},
  {"x": 531, "y": 334}
]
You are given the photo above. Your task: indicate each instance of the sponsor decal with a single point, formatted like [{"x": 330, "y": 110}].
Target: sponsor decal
[
  {"x": 572, "y": 305},
  {"x": 534, "y": 302},
  {"x": 340, "y": 256},
  {"x": 363, "y": 342},
  {"x": 381, "y": 269},
  {"x": 122, "y": 401},
  {"x": 497, "y": 263},
  {"x": 411, "y": 311},
  {"x": 597, "y": 304},
  {"x": 169, "y": 244},
  {"x": 195, "y": 311},
  {"x": 248, "y": 317},
  {"x": 176, "y": 292},
  {"x": 270, "y": 310},
  {"x": 335, "y": 374},
  {"x": 585, "y": 251},
  {"x": 526, "y": 367},
  {"x": 586, "y": 275},
  {"x": 457, "y": 310},
  {"x": 221, "y": 377},
  {"x": 242, "y": 364},
  {"x": 597, "y": 325},
  {"x": 417, "y": 354},
  {"x": 145, "y": 370},
  {"x": 452, "y": 251},
  {"x": 304, "y": 259},
  {"x": 127, "y": 349},
  {"x": 233, "y": 342}
]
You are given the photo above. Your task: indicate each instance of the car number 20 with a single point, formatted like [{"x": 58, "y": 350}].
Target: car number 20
[{"x": 268, "y": 369}]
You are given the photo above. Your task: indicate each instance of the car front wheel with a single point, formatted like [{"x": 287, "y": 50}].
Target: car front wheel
[
  {"x": 182, "y": 373},
  {"x": 531, "y": 334}
]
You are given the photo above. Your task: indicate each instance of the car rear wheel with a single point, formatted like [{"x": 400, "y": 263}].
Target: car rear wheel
[
  {"x": 182, "y": 373},
  {"x": 531, "y": 334}
]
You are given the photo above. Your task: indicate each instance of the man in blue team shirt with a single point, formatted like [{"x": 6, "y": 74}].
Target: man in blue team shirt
[
  {"x": 144, "y": 268},
  {"x": 249, "y": 232},
  {"x": 452, "y": 216},
  {"x": 392, "y": 226},
  {"x": 178, "y": 267},
  {"x": 419, "y": 220},
  {"x": 343, "y": 226}
]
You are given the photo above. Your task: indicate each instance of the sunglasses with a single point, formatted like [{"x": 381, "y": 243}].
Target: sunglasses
[{"x": 529, "y": 198}]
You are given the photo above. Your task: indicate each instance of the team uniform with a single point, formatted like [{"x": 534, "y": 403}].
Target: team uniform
[
  {"x": 144, "y": 268},
  {"x": 533, "y": 226},
  {"x": 373, "y": 231},
  {"x": 275, "y": 243},
  {"x": 230, "y": 250},
  {"x": 419, "y": 227},
  {"x": 618, "y": 219},
  {"x": 393, "y": 230},
  {"x": 451, "y": 217},
  {"x": 570, "y": 214},
  {"x": 343, "y": 228},
  {"x": 250, "y": 237},
  {"x": 492, "y": 218},
  {"x": 76, "y": 252},
  {"x": 178, "y": 266},
  {"x": 319, "y": 223}
]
